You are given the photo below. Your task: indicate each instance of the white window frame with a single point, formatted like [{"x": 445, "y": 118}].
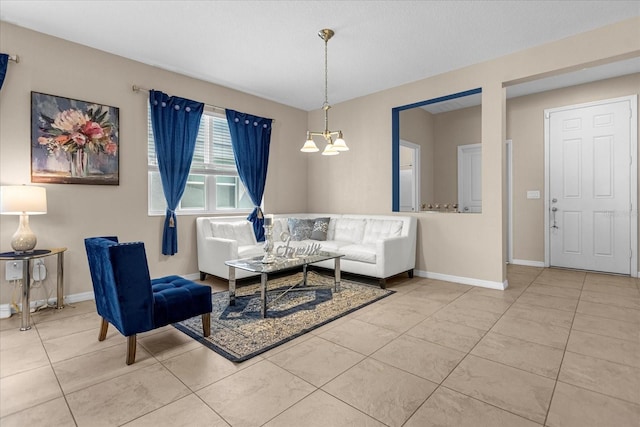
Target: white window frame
[{"x": 208, "y": 169}]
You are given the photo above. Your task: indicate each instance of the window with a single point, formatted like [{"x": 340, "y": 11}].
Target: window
[{"x": 213, "y": 185}]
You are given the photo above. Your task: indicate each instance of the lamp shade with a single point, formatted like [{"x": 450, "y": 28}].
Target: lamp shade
[
  {"x": 309, "y": 147},
  {"x": 329, "y": 150},
  {"x": 23, "y": 199},
  {"x": 339, "y": 144}
]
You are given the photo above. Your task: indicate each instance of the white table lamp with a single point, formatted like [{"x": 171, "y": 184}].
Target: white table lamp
[{"x": 23, "y": 200}]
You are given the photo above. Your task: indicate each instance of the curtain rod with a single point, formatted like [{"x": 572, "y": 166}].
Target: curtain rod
[
  {"x": 14, "y": 58},
  {"x": 137, "y": 88}
]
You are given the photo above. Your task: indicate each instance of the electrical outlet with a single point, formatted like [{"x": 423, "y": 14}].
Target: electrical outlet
[
  {"x": 533, "y": 194},
  {"x": 13, "y": 270}
]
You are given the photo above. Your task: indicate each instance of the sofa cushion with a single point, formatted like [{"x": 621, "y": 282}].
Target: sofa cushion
[
  {"x": 334, "y": 245},
  {"x": 320, "y": 229},
  {"x": 377, "y": 229},
  {"x": 349, "y": 230},
  {"x": 241, "y": 231},
  {"x": 249, "y": 251},
  {"x": 362, "y": 253},
  {"x": 300, "y": 228}
]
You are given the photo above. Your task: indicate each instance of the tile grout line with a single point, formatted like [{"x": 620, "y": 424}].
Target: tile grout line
[
  {"x": 564, "y": 352},
  {"x": 441, "y": 384}
]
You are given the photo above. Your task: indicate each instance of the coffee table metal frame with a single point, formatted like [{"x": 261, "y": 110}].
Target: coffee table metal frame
[{"x": 256, "y": 265}]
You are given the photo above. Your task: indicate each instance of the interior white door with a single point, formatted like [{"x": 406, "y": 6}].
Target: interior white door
[
  {"x": 589, "y": 187},
  {"x": 409, "y": 177},
  {"x": 407, "y": 192},
  {"x": 470, "y": 178}
]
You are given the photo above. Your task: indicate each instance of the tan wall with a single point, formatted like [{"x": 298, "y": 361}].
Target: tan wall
[
  {"x": 452, "y": 129},
  {"x": 525, "y": 126},
  {"x": 460, "y": 245},
  {"x": 57, "y": 67},
  {"x": 416, "y": 125},
  {"x": 439, "y": 135}
]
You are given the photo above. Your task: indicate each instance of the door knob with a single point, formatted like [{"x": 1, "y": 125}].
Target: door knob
[
  {"x": 554, "y": 209},
  {"x": 554, "y": 200}
]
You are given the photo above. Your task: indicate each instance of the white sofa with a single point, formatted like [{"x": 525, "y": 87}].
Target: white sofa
[{"x": 378, "y": 246}]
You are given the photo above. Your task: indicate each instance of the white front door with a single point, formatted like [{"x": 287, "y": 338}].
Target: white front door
[
  {"x": 589, "y": 197},
  {"x": 470, "y": 178}
]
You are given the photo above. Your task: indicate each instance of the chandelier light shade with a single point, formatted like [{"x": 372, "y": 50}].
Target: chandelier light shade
[
  {"x": 23, "y": 200},
  {"x": 333, "y": 147},
  {"x": 309, "y": 146}
]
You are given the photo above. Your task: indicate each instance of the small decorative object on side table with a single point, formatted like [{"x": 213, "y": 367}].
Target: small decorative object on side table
[{"x": 269, "y": 257}]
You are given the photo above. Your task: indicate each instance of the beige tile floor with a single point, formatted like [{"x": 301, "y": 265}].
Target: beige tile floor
[{"x": 557, "y": 348}]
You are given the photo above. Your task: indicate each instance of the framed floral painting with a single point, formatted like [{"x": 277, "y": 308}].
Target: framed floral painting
[{"x": 73, "y": 141}]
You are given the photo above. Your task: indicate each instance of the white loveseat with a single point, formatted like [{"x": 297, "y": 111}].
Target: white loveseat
[{"x": 378, "y": 246}]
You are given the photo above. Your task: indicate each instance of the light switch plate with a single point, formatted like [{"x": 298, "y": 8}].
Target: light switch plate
[
  {"x": 13, "y": 270},
  {"x": 533, "y": 194}
]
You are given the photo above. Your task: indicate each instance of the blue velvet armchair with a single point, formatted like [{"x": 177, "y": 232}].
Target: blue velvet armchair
[{"x": 127, "y": 298}]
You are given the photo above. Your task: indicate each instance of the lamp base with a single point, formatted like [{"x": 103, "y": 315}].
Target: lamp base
[{"x": 23, "y": 240}]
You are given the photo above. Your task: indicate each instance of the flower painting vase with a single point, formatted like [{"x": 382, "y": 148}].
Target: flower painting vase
[
  {"x": 73, "y": 141},
  {"x": 79, "y": 163}
]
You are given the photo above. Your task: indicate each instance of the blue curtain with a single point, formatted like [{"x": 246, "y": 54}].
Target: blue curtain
[
  {"x": 175, "y": 123},
  {"x": 4, "y": 61},
  {"x": 250, "y": 138}
]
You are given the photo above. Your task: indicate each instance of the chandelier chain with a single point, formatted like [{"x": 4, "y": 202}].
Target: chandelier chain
[
  {"x": 326, "y": 73},
  {"x": 333, "y": 147}
]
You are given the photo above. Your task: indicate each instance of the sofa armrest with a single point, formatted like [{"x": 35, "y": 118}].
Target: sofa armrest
[
  {"x": 213, "y": 252},
  {"x": 394, "y": 255}
]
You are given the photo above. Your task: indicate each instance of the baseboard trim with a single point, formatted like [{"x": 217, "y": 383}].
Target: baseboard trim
[
  {"x": 6, "y": 310},
  {"x": 463, "y": 280},
  {"x": 527, "y": 263},
  {"x": 84, "y": 296},
  {"x": 192, "y": 276}
]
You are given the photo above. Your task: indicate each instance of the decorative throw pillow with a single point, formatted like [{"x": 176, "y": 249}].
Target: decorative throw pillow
[
  {"x": 300, "y": 229},
  {"x": 320, "y": 228}
]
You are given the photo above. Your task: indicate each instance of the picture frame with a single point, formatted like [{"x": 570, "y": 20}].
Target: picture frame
[{"x": 74, "y": 141}]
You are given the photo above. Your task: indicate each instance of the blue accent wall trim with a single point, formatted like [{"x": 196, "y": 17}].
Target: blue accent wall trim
[
  {"x": 440, "y": 99},
  {"x": 395, "y": 159},
  {"x": 395, "y": 139}
]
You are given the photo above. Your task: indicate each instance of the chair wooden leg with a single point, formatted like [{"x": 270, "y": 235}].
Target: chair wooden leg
[
  {"x": 206, "y": 324},
  {"x": 103, "y": 330},
  {"x": 131, "y": 349}
]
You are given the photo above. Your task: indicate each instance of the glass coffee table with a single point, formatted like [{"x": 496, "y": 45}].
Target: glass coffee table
[{"x": 256, "y": 265}]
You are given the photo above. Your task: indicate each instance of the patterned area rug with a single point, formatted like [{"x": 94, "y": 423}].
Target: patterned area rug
[{"x": 240, "y": 333}]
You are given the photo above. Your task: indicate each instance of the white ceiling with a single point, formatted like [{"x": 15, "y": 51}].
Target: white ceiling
[{"x": 271, "y": 48}]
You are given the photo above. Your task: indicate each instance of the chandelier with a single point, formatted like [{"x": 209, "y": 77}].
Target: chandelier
[{"x": 332, "y": 148}]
